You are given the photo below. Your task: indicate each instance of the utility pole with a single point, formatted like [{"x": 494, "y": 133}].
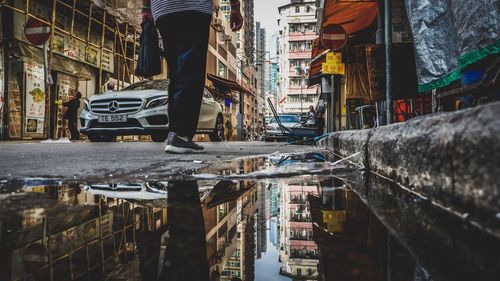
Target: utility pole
[
  {"x": 388, "y": 59},
  {"x": 301, "y": 95}
]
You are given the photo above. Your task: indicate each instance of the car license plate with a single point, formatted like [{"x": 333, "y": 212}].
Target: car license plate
[{"x": 118, "y": 118}]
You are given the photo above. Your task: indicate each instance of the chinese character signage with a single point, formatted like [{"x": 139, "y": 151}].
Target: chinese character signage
[{"x": 333, "y": 64}]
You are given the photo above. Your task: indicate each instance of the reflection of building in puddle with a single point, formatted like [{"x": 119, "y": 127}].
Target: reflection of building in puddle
[
  {"x": 354, "y": 244},
  {"x": 298, "y": 251},
  {"x": 233, "y": 225},
  {"x": 79, "y": 237}
]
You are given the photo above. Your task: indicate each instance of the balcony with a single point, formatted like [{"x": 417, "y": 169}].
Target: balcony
[
  {"x": 310, "y": 275},
  {"x": 300, "y": 36},
  {"x": 308, "y": 255},
  {"x": 301, "y": 237},
  {"x": 299, "y": 54},
  {"x": 300, "y": 219}
]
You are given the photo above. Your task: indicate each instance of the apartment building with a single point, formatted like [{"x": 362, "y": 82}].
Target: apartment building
[
  {"x": 297, "y": 30},
  {"x": 298, "y": 251}
]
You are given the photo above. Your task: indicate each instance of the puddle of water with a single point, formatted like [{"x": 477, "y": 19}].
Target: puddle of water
[
  {"x": 199, "y": 230},
  {"x": 230, "y": 222}
]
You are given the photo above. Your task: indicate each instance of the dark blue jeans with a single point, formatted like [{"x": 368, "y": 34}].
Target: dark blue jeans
[{"x": 185, "y": 39}]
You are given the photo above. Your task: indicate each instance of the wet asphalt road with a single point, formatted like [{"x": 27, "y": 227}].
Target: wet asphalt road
[{"x": 85, "y": 160}]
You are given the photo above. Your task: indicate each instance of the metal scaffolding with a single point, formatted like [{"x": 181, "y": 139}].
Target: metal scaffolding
[{"x": 112, "y": 20}]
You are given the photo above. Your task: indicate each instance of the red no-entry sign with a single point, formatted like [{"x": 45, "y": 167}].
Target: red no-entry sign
[
  {"x": 35, "y": 257},
  {"x": 333, "y": 37},
  {"x": 37, "y": 32}
]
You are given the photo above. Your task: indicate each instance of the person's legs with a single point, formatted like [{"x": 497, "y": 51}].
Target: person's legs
[
  {"x": 185, "y": 36},
  {"x": 75, "y": 135}
]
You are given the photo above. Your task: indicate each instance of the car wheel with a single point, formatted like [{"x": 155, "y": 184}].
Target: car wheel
[
  {"x": 159, "y": 137},
  {"x": 101, "y": 138},
  {"x": 218, "y": 133}
]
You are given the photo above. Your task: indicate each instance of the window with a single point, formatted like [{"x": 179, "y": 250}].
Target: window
[
  {"x": 287, "y": 119},
  {"x": 297, "y": 10},
  {"x": 308, "y": 9},
  {"x": 222, "y": 72}
]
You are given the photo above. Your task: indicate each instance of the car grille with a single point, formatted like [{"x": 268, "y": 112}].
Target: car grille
[
  {"x": 124, "y": 105},
  {"x": 157, "y": 120},
  {"x": 130, "y": 123}
]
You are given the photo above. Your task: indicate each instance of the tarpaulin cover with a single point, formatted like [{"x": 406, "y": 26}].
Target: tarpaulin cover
[
  {"x": 450, "y": 35},
  {"x": 58, "y": 62},
  {"x": 353, "y": 16}
]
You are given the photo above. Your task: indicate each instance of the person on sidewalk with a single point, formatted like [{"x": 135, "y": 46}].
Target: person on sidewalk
[
  {"x": 311, "y": 117},
  {"x": 72, "y": 114},
  {"x": 184, "y": 28}
]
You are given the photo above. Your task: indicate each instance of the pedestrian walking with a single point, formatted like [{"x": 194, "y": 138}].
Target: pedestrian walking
[
  {"x": 184, "y": 28},
  {"x": 72, "y": 114}
]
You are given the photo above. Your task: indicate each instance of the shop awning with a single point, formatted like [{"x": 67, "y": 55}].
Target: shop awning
[
  {"x": 225, "y": 95},
  {"x": 352, "y": 15},
  {"x": 318, "y": 57},
  {"x": 228, "y": 84},
  {"x": 58, "y": 63}
]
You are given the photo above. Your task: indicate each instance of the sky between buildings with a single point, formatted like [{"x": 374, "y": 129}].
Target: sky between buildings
[{"x": 266, "y": 12}]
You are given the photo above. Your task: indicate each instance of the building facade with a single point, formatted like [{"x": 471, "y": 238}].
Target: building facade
[
  {"x": 298, "y": 251},
  {"x": 247, "y": 115},
  {"x": 261, "y": 64},
  {"x": 90, "y": 44},
  {"x": 297, "y": 29}
]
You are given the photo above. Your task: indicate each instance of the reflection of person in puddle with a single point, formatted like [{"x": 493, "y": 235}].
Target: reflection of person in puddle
[{"x": 186, "y": 251}]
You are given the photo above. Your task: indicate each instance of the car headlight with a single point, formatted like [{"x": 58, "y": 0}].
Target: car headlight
[
  {"x": 156, "y": 101},
  {"x": 86, "y": 105}
]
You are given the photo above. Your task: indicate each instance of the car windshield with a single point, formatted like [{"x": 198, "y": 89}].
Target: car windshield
[
  {"x": 287, "y": 119},
  {"x": 149, "y": 85}
]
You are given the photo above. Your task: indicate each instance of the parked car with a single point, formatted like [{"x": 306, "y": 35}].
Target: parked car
[
  {"x": 141, "y": 109},
  {"x": 273, "y": 131}
]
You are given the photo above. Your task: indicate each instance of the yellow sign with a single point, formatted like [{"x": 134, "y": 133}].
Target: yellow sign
[
  {"x": 334, "y": 220},
  {"x": 333, "y": 57},
  {"x": 328, "y": 68},
  {"x": 40, "y": 189},
  {"x": 332, "y": 216}
]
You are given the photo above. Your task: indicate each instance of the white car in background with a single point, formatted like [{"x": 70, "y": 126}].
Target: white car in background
[
  {"x": 142, "y": 109},
  {"x": 273, "y": 130}
]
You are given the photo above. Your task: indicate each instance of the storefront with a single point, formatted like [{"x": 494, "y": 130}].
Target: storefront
[
  {"x": 361, "y": 89},
  {"x": 31, "y": 113},
  {"x": 83, "y": 55}
]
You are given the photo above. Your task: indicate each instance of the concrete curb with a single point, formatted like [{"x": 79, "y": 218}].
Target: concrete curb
[{"x": 453, "y": 158}]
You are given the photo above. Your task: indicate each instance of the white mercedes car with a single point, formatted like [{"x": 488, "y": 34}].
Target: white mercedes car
[{"x": 141, "y": 109}]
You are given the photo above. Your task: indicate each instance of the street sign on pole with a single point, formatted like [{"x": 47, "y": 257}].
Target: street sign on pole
[
  {"x": 37, "y": 32},
  {"x": 35, "y": 257},
  {"x": 333, "y": 37},
  {"x": 333, "y": 64}
]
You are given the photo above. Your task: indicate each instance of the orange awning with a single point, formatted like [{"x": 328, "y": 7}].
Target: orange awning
[{"x": 353, "y": 16}]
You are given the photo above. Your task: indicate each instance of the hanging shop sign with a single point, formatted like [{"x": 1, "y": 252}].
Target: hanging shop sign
[
  {"x": 333, "y": 64},
  {"x": 108, "y": 61},
  {"x": 36, "y": 31},
  {"x": 333, "y": 37},
  {"x": 35, "y": 98}
]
